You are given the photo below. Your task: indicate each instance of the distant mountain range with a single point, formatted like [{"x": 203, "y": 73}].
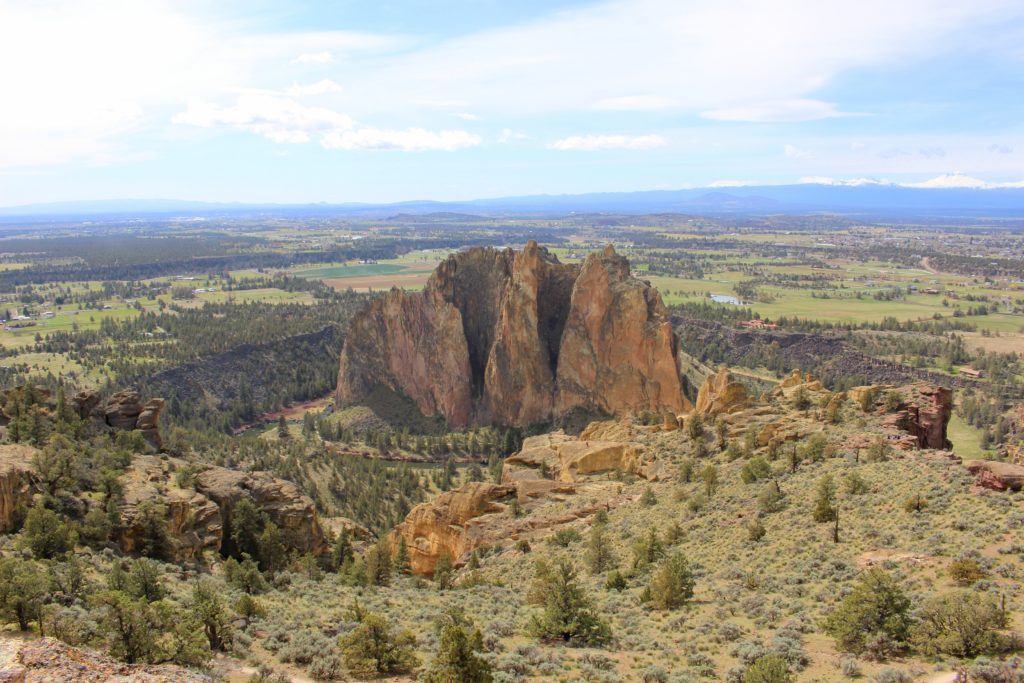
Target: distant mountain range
[{"x": 944, "y": 196}]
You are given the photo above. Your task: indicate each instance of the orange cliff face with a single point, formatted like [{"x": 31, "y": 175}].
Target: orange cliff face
[{"x": 517, "y": 338}]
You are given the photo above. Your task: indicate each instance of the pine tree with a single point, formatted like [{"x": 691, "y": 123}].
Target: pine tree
[
  {"x": 457, "y": 659},
  {"x": 568, "y": 614},
  {"x": 672, "y": 585},
  {"x": 824, "y": 502}
]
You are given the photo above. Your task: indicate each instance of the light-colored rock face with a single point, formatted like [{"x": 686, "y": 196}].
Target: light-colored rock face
[
  {"x": 17, "y": 482},
  {"x": 720, "y": 394},
  {"x": 449, "y": 524},
  {"x": 923, "y": 412},
  {"x": 619, "y": 351},
  {"x": 562, "y": 458},
  {"x": 517, "y": 338}
]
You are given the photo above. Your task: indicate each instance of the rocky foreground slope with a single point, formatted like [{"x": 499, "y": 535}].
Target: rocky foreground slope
[
  {"x": 516, "y": 338},
  {"x": 557, "y": 479}
]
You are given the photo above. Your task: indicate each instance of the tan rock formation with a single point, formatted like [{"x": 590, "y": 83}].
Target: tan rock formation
[
  {"x": 520, "y": 375},
  {"x": 563, "y": 458},
  {"x": 618, "y": 351},
  {"x": 148, "y": 422},
  {"x": 194, "y": 522},
  {"x": 517, "y": 338},
  {"x": 291, "y": 511},
  {"x": 17, "y": 482},
  {"x": 450, "y": 524},
  {"x": 721, "y": 393}
]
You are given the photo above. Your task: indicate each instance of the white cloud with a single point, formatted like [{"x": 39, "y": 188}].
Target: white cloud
[
  {"x": 635, "y": 103},
  {"x": 322, "y": 57},
  {"x": 591, "y": 143},
  {"x": 508, "y": 135},
  {"x": 466, "y": 116},
  {"x": 283, "y": 120},
  {"x": 778, "y": 111},
  {"x": 1000, "y": 149},
  {"x": 794, "y": 152},
  {"x": 322, "y": 87},
  {"x": 411, "y": 140}
]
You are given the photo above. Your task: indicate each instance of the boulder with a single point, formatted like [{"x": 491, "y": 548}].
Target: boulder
[
  {"x": 85, "y": 403},
  {"x": 450, "y": 524},
  {"x": 122, "y": 410},
  {"x": 517, "y": 338},
  {"x": 148, "y": 422},
  {"x": 18, "y": 483},
  {"x": 995, "y": 475},
  {"x": 721, "y": 393}
]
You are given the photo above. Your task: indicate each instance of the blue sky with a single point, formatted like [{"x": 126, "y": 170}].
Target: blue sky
[{"x": 281, "y": 101}]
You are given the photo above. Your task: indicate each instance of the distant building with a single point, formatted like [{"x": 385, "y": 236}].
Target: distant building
[
  {"x": 971, "y": 372},
  {"x": 932, "y": 290},
  {"x": 47, "y": 314}
]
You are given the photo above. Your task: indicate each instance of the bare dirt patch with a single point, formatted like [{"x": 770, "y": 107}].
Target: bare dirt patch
[{"x": 387, "y": 281}]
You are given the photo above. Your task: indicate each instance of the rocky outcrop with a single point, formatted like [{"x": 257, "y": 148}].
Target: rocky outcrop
[
  {"x": 193, "y": 522},
  {"x": 46, "y": 660},
  {"x": 923, "y": 412},
  {"x": 517, "y": 338},
  {"x": 293, "y": 513},
  {"x": 124, "y": 411},
  {"x": 721, "y": 393},
  {"x": 450, "y": 524},
  {"x": 197, "y": 517},
  {"x": 17, "y": 483},
  {"x": 565, "y": 459},
  {"x": 995, "y": 475}
]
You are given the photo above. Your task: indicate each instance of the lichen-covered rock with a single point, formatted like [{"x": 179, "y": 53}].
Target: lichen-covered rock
[
  {"x": 517, "y": 338},
  {"x": 721, "y": 393},
  {"x": 450, "y": 524},
  {"x": 18, "y": 483}
]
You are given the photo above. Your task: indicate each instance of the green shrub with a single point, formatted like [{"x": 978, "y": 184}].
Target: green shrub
[
  {"x": 962, "y": 624},
  {"x": 768, "y": 669},
  {"x": 876, "y": 605},
  {"x": 672, "y": 585},
  {"x": 374, "y": 648},
  {"x": 755, "y": 469},
  {"x": 965, "y": 571}
]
